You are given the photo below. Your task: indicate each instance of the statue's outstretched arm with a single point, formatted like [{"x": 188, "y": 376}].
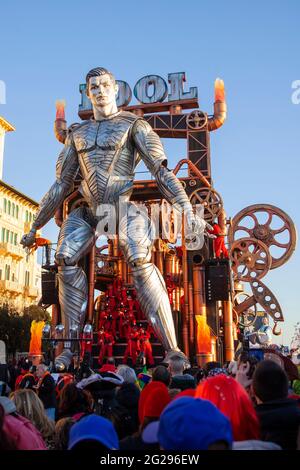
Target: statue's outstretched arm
[
  {"x": 66, "y": 169},
  {"x": 152, "y": 153}
]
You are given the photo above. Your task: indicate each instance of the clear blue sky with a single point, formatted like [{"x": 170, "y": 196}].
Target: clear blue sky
[{"x": 47, "y": 48}]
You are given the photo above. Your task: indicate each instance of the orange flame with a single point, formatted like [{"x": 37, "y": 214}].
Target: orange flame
[
  {"x": 60, "y": 109},
  {"x": 36, "y": 329},
  {"x": 203, "y": 335},
  {"x": 219, "y": 90}
]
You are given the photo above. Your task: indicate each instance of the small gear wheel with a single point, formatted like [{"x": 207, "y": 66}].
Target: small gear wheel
[{"x": 196, "y": 120}]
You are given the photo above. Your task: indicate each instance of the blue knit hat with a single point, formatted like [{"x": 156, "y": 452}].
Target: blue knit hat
[
  {"x": 192, "y": 424},
  {"x": 94, "y": 427}
]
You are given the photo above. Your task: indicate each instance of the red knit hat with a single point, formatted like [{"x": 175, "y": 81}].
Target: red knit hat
[{"x": 153, "y": 399}]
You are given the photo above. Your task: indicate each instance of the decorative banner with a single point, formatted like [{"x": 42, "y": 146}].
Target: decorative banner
[
  {"x": 35, "y": 348},
  {"x": 203, "y": 335}
]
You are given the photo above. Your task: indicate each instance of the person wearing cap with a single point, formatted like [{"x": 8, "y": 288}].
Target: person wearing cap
[
  {"x": 180, "y": 380},
  {"x": 189, "y": 424},
  {"x": 26, "y": 379},
  {"x": 93, "y": 432}
]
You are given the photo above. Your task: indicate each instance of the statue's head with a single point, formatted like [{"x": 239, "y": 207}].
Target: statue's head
[{"x": 101, "y": 87}]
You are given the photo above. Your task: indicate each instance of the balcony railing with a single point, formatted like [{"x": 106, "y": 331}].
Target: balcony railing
[
  {"x": 13, "y": 250},
  {"x": 11, "y": 286}
]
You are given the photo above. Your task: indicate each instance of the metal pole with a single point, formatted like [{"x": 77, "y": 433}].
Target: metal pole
[{"x": 228, "y": 330}]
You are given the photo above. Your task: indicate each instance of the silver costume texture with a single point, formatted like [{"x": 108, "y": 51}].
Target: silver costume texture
[{"x": 107, "y": 153}]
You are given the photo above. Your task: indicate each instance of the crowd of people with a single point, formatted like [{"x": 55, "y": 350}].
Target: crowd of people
[{"x": 246, "y": 404}]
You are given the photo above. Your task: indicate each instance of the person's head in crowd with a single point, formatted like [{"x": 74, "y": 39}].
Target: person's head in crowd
[
  {"x": 40, "y": 370},
  {"x": 161, "y": 374},
  {"x": 189, "y": 424},
  {"x": 62, "y": 431},
  {"x": 200, "y": 376},
  {"x": 232, "y": 368},
  {"x": 232, "y": 400},
  {"x": 127, "y": 373},
  {"x": 19, "y": 429},
  {"x": 246, "y": 358},
  {"x": 93, "y": 432},
  {"x": 6, "y": 443},
  {"x": 25, "y": 365},
  {"x": 125, "y": 414},
  {"x": 123, "y": 421},
  {"x": 73, "y": 400},
  {"x": 31, "y": 407},
  {"x": 153, "y": 399},
  {"x": 179, "y": 379},
  {"x": 176, "y": 365},
  {"x": 270, "y": 382},
  {"x": 210, "y": 366},
  {"x": 128, "y": 395}
]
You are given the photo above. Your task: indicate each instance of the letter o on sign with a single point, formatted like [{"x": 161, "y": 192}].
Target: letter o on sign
[
  {"x": 124, "y": 94},
  {"x": 150, "y": 89}
]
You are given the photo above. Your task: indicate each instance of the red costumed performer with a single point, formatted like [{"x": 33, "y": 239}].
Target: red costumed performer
[
  {"x": 132, "y": 349},
  {"x": 145, "y": 346}
]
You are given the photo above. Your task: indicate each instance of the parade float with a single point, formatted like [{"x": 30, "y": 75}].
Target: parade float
[{"x": 215, "y": 291}]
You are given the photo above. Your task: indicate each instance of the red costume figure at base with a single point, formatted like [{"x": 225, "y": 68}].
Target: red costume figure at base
[
  {"x": 133, "y": 347},
  {"x": 145, "y": 346},
  {"x": 105, "y": 342},
  {"x": 219, "y": 243}
]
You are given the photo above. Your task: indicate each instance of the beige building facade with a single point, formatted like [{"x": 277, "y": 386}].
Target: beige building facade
[{"x": 20, "y": 274}]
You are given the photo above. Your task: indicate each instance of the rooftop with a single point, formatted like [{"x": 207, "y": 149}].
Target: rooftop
[
  {"x": 6, "y": 125},
  {"x": 18, "y": 193}
]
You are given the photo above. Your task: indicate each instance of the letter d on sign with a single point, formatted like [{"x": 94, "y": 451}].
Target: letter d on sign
[{"x": 2, "y": 92}]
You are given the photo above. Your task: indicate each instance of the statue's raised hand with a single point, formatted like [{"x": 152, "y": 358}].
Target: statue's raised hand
[{"x": 28, "y": 239}]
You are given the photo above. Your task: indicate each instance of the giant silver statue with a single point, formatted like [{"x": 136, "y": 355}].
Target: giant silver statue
[{"x": 106, "y": 149}]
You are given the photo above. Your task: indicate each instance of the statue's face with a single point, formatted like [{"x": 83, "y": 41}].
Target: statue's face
[{"x": 102, "y": 90}]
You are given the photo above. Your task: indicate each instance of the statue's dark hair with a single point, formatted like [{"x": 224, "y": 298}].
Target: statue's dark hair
[{"x": 97, "y": 72}]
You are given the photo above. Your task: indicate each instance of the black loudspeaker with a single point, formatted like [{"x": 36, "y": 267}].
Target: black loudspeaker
[
  {"x": 217, "y": 280},
  {"x": 49, "y": 288}
]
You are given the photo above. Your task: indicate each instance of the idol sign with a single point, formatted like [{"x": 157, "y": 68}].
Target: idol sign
[{"x": 149, "y": 89}]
